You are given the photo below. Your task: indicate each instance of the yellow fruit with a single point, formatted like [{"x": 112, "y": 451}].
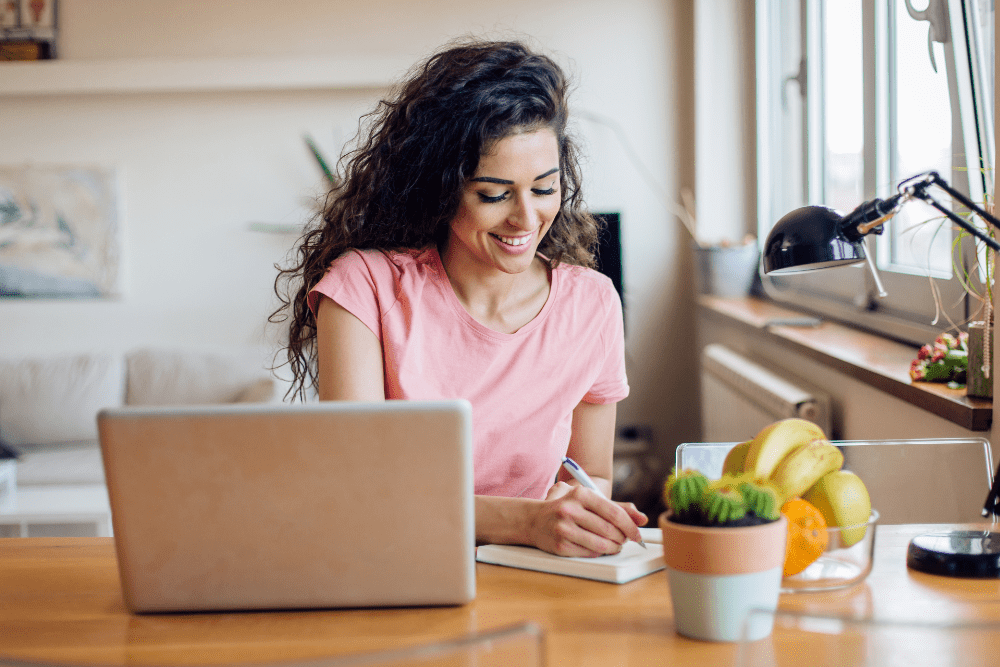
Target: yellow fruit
[
  {"x": 843, "y": 500},
  {"x": 733, "y": 465},
  {"x": 804, "y": 466},
  {"x": 775, "y": 441}
]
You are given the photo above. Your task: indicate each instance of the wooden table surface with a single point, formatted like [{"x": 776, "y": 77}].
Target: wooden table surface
[{"x": 60, "y": 600}]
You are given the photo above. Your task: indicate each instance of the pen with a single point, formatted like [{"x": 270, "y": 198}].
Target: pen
[{"x": 580, "y": 475}]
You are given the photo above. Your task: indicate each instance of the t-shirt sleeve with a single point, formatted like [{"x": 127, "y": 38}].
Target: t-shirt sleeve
[
  {"x": 360, "y": 282},
  {"x": 611, "y": 385}
]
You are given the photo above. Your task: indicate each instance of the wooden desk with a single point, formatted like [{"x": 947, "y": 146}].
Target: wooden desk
[{"x": 60, "y": 600}]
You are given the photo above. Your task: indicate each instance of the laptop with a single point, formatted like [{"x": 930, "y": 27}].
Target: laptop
[{"x": 269, "y": 506}]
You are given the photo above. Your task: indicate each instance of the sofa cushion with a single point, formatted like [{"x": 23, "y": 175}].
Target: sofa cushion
[
  {"x": 62, "y": 464},
  {"x": 261, "y": 391},
  {"x": 56, "y": 399},
  {"x": 186, "y": 377}
]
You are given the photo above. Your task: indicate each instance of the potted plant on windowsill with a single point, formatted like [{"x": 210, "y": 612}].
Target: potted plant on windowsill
[
  {"x": 979, "y": 376},
  {"x": 724, "y": 548},
  {"x": 957, "y": 357}
]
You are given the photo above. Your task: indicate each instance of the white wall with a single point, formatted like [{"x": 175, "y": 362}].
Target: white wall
[
  {"x": 196, "y": 168},
  {"x": 725, "y": 130}
]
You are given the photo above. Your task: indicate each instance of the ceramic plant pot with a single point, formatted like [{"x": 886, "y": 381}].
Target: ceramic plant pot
[
  {"x": 977, "y": 382},
  {"x": 717, "y": 575}
]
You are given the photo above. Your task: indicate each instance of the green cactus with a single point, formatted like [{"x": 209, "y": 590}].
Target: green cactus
[
  {"x": 722, "y": 505},
  {"x": 683, "y": 490},
  {"x": 761, "y": 500},
  {"x": 733, "y": 500}
]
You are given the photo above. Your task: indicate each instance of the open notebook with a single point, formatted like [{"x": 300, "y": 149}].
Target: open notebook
[{"x": 630, "y": 563}]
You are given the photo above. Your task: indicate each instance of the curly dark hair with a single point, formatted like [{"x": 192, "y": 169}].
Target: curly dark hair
[{"x": 401, "y": 186}]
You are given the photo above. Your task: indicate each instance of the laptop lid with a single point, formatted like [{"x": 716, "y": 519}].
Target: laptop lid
[{"x": 265, "y": 506}]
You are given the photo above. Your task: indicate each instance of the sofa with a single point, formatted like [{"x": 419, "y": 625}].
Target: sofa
[{"x": 48, "y": 410}]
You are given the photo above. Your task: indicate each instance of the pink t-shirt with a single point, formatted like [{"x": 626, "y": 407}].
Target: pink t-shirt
[{"x": 523, "y": 386}]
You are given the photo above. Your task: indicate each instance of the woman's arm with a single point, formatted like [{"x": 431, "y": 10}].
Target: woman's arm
[
  {"x": 572, "y": 520},
  {"x": 592, "y": 443},
  {"x": 350, "y": 356}
]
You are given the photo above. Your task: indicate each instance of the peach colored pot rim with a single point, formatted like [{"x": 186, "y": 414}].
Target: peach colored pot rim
[{"x": 718, "y": 550}]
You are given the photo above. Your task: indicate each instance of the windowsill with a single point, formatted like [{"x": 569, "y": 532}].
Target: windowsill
[{"x": 879, "y": 362}]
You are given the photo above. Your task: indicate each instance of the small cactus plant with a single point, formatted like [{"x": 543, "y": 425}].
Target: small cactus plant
[{"x": 732, "y": 500}]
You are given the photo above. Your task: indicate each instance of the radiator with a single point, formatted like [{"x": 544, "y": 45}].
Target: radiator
[{"x": 739, "y": 397}]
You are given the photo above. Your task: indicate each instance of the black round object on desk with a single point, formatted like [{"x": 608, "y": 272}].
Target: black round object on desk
[{"x": 957, "y": 553}]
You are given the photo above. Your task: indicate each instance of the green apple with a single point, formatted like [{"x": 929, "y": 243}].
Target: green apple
[{"x": 842, "y": 499}]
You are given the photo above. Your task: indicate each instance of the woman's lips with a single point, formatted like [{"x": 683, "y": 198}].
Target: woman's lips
[{"x": 513, "y": 244}]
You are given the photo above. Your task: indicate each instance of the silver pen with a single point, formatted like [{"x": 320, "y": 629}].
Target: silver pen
[{"x": 580, "y": 475}]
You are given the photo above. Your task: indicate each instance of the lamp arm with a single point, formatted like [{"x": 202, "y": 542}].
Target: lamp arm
[
  {"x": 960, "y": 221},
  {"x": 964, "y": 200},
  {"x": 919, "y": 190},
  {"x": 992, "y": 507}
]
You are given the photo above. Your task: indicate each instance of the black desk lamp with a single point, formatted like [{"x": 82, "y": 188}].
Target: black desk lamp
[{"x": 817, "y": 237}]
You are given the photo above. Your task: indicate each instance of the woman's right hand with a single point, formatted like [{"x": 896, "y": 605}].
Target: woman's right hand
[{"x": 576, "y": 521}]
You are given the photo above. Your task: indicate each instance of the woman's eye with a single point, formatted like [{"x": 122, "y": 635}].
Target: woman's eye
[
  {"x": 550, "y": 191},
  {"x": 486, "y": 199}
]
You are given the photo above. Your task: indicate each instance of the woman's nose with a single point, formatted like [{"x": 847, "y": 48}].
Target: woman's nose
[{"x": 525, "y": 215}]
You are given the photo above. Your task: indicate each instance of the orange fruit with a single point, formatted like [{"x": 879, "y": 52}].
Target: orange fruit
[{"x": 807, "y": 536}]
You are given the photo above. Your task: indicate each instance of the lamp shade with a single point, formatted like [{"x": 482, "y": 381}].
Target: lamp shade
[{"x": 809, "y": 238}]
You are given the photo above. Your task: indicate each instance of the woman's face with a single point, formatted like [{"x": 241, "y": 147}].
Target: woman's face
[{"x": 509, "y": 205}]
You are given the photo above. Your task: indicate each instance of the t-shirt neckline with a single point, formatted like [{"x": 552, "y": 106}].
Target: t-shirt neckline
[{"x": 444, "y": 284}]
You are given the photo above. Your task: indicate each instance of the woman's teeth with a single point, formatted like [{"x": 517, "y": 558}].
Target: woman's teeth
[{"x": 512, "y": 240}]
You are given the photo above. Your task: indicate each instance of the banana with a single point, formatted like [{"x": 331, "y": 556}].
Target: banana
[
  {"x": 804, "y": 466},
  {"x": 775, "y": 441},
  {"x": 733, "y": 465}
]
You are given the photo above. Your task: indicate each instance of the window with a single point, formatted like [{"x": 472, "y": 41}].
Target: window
[{"x": 853, "y": 97}]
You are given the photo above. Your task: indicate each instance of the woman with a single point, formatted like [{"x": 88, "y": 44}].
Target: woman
[{"x": 453, "y": 261}]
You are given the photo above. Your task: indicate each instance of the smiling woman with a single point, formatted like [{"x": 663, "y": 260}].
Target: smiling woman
[
  {"x": 504, "y": 214},
  {"x": 454, "y": 259}
]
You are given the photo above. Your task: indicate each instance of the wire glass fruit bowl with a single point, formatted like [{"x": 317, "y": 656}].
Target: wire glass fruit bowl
[{"x": 846, "y": 561}]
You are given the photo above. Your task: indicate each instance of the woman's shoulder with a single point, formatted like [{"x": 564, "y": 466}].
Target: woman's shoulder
[
  {"x": 584, "y": 278},
  {"x": 587, "y": 289},
  {"x": 380, "y": 261},
  {"x": 387, "y": 273}
]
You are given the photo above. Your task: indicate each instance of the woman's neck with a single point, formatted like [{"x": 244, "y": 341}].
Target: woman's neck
[{"x": 503, "y": 302}]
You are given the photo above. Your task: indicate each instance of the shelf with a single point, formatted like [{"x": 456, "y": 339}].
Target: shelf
[
  {"x": 89, "y": 77},
  {"x": 879, "y": 362}
]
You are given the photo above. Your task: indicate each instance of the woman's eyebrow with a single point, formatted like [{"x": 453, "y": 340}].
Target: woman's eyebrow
[
  {"x": 490, "y": 179},
  {"x": 503, "y": 181}
]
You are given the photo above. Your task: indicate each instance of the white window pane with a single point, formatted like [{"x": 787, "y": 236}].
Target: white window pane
[
  {"x": 843, "y": 79},
  {"x": 921, "y": 124},
  {"x": 790, "y": 186}
]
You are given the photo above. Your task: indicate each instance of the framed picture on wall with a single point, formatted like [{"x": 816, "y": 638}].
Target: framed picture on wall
[
  {"x": 59, "y": 232},
  {"x": 28, "y": 29}
]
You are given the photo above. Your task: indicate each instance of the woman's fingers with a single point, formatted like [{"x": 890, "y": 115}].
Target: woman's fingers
[
  {"x": 625, "y": 518},
  {"x": 558, "y": 490},
  {"x": 638, "y": 517},
  {"x": 587, "y": 524}
]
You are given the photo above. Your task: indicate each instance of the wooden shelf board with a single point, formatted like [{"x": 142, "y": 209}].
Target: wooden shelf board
[
  {"x": 879, "y": 362},
  {"x": 81, "y": 77}
]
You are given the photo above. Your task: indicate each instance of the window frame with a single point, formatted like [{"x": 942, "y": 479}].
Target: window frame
[{"x": 850, "y": 294}]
